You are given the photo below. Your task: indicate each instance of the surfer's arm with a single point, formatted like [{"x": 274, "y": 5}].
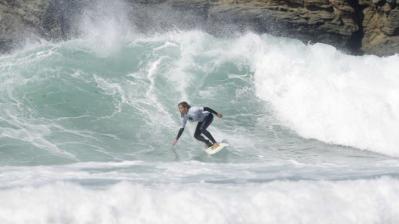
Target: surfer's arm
[
  {"x": 179, "y": 133},
  {"x": 178, "y": 136},
  {"x": 183, "y": 124},
  {"x": 212, "y": 111}
]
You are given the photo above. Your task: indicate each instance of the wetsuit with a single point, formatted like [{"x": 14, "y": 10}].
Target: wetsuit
[{"x": 204, "y": 117}]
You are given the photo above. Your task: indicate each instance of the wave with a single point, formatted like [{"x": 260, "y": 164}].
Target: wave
[{"x": 68, "y": 101}]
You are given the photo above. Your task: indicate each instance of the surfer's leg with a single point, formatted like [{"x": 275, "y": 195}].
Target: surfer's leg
[
  {"x": 199, "y": 137},
  {"x": 209, "y": 136},
  {"x": 205, "y": 124}
]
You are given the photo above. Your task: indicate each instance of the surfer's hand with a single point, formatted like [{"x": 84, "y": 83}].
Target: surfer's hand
[
  {"x": 174, "y": 142},
  {"x": 219, "y": 115}
]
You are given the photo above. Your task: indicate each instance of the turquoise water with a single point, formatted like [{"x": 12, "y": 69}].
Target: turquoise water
[
  {"x": 67, "y": 103},
  {"x": 86, "y": 130}
]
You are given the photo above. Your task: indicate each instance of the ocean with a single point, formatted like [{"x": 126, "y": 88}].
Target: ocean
[{"x": 86, "y": 127}]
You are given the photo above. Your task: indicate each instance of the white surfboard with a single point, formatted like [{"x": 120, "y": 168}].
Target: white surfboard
[{"x": 211, "y": 151}]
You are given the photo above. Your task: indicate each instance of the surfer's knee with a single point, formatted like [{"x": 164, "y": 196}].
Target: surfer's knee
[
  {"x": 197, "y": 134},
  {"x": 202, "y": 130}
]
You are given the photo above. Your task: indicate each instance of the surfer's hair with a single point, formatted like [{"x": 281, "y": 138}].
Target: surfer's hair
[{"x": 185, "y": 105}]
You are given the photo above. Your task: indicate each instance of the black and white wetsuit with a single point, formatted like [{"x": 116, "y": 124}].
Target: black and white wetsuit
[{"x": 204, "y": 117}]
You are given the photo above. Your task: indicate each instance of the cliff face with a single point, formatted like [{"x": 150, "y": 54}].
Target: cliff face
[
  {"x": 17, "y": 18},
  {"x": 360, "y": 26},
  {"x": 380, "y": 27},
  {"x": 324, "y": 21},
  {"x": 20, "y": 19}
]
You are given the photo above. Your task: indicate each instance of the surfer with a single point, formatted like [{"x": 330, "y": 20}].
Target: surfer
[{"x": 204, "y": 117}]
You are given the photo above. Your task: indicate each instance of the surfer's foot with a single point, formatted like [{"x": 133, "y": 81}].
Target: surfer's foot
[
  {"x": 214, "y": 146},
  {"x": 208, "y": 144}
]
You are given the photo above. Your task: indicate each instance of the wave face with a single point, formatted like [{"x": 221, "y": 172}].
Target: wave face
[
  {"x": 86, "y": 127},
  {"x": 74, "y": 101}
]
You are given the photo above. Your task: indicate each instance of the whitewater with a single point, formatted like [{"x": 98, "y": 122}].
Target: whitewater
[{"x": 86, "y": 127}]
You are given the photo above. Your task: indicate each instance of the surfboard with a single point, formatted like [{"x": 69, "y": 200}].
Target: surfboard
[{"x": 211, "y": 151}]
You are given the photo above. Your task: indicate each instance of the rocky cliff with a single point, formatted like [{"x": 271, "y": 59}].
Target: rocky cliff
[{"x": 359, "y": 26}]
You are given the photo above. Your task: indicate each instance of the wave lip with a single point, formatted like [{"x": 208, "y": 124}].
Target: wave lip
[{"x": 324, "y": 94}]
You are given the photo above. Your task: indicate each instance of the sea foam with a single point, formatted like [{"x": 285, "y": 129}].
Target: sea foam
[
  {"x": 324, "y": 94},
  {"x": 357, "y": 201}
]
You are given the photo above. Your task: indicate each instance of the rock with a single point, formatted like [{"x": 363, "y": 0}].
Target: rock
[
  {"x": 391, "y": 26},
  {"x": 381, "y": 30},
  {"x": 369, "y": 26},
  {"x": 18, "y": 20},
  {"x": 35, "y": 19},
  {"x": 311, "y": 20}
]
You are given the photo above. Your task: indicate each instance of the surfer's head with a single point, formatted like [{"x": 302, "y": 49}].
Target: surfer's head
[{"x": 183, "y": 107}]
